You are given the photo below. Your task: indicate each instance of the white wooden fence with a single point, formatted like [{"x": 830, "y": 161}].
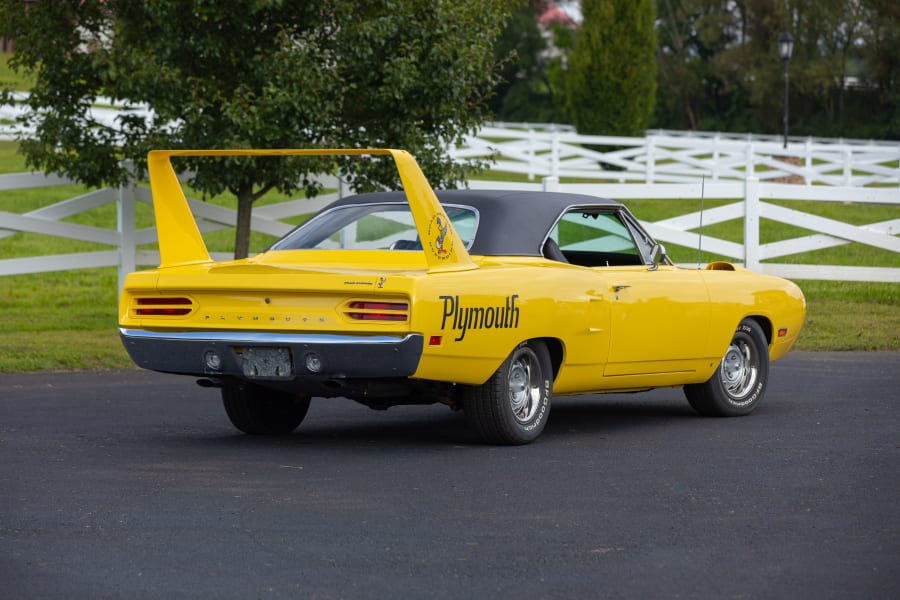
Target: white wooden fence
[
  {"x": 750, "y": 204},
  {"x": 682, "y": 157},
  {"x": 105, "y": 112},
  {"x": 664, "y": 164}
]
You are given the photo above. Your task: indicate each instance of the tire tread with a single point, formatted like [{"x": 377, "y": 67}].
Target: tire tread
[{"x": 258, "y": 411}]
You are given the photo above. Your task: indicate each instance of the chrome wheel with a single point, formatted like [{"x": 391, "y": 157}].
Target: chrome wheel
[
  {"x": 524, "y": 385},
  {"x": 739, "y": 369}
]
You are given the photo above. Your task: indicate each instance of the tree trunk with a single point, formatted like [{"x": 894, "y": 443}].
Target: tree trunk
[{"x": 242, "y": 230}]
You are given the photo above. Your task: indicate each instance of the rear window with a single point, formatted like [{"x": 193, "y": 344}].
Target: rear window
[{"x": 387, "y": 226}]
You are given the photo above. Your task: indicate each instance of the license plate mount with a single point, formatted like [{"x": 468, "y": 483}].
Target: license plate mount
[{"x": 267, "y": 362}]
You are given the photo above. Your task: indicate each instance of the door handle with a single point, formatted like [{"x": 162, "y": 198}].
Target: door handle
[{"x": 619, "y": 288}]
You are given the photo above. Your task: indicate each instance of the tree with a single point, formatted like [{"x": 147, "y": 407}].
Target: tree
[
  {"x": 691, "y": 35},
  {"x": 530, "y": 86},
  {"x": 521, "y": 45},
  {"x": 611, "y": 78},
  {"x": 719, "y": 68},
  {"x": 881, "y": 56},
  {"x": 412, "y": 74}
]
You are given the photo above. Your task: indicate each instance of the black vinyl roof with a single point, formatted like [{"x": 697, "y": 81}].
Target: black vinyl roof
[{"x": 511, "y": 222}]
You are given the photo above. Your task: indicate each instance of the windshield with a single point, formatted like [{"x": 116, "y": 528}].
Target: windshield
[{"x": 385, "y": 226}]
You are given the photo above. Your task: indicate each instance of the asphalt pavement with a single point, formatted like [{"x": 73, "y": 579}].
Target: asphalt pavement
[{"x": 134, "y": 485}]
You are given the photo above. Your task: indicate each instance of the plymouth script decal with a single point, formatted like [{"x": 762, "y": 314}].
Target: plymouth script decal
[{"x": 462, "y": 318}]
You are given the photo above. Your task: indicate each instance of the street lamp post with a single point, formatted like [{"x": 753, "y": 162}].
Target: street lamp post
[{"x": 785, "y": 48}]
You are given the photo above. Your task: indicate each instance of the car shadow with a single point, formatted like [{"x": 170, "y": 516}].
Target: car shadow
[{"x": 335, "y": 425}]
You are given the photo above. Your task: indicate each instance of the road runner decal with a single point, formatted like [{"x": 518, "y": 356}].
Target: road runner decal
[
  {"x": 439, "y": 241},
  {"x": 465, "y": 318}
]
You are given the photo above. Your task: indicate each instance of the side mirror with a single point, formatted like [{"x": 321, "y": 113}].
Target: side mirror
[{"x": 657, "y": 256}]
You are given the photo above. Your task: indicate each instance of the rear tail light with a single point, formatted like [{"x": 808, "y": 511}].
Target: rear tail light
[
  {"x": 163, "y": 307},
  {"x": 378, "y": 311}
]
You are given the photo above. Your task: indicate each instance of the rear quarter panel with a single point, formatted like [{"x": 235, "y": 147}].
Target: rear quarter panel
[{"x": 480, "y": 316}]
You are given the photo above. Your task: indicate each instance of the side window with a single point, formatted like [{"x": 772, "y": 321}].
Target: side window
[{"x": 592, "y": 238}]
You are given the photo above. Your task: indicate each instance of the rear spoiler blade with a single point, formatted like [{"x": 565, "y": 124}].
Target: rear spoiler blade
[{"x": 181, "y": 243}]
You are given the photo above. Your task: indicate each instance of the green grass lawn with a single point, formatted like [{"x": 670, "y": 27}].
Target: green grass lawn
[{"x": 10, "y": 79}]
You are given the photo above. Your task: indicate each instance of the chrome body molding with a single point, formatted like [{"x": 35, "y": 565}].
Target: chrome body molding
[{"x": 338, "y": 356}]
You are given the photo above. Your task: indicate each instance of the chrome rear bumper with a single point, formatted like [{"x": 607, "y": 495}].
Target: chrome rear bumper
[{"x": 222, "y": 354}]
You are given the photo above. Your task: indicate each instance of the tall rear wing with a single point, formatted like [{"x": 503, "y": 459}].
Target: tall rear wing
[{"x": 181, "y": 243}]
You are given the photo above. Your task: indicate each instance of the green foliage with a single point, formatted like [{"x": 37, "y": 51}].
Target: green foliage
[
  {"x": 719, "y": 67},
  {"x": 611, "y": 79},
  {"x": 530, "y": 85},
  {"x": 410, "y": 74}
]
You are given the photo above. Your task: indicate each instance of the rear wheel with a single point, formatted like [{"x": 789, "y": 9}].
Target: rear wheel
[
  {"x": 739, "y": 382},
  {"x": 260, "y": 411},
  {"x": 513, "y": 405}
]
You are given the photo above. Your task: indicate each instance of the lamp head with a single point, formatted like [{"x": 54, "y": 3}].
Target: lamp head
[{"x": 785, "y": 45}]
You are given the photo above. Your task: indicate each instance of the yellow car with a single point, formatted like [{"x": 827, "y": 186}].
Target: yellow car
[{"x": 487, "y": 301}]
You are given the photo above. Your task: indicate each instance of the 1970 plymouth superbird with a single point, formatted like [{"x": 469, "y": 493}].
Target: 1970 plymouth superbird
[{"x": 488, "y": 301}]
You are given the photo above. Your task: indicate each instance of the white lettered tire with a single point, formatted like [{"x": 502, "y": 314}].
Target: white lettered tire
[
  {"x": 739, "y": 382},
  {"x": 512, "y": 407}
]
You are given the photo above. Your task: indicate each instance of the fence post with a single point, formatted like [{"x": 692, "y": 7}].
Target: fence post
[
  {"x": 651, "y": 159},
  {"x": 806, "y": 178},
  {"x": 125, "y": 227},
  {"x": 848, "y": 167},
  {"x": 554, "y": 153},
  {"x": 715, "y": 163},
  {"x": 550, "y": 184},
  {"x": 751, "y": 223},
  {"x": 340, "y": 185},
  {"x": 531, "y": 153},
  {"x": 750, "y": 168}
]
